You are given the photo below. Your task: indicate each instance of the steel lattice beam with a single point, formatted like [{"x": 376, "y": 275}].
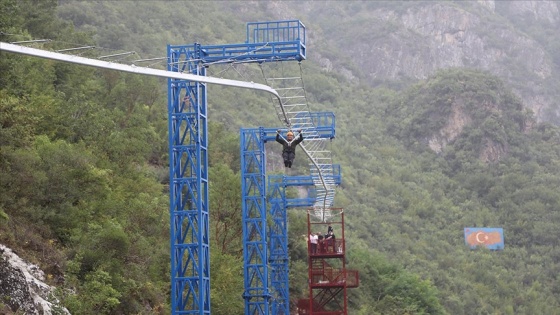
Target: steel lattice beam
[
  {"x": 255, "y": 249},
  {"x": 188, "y": 172}
]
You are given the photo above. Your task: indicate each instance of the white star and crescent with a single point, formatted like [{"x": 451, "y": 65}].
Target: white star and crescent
[{"x": 485, "y": 236}]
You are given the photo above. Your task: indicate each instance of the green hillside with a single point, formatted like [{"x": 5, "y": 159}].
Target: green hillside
[{"x": 84, "y": 178}]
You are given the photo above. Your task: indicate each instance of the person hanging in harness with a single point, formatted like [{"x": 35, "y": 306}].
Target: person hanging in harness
[{"x": 289, "y": 146}]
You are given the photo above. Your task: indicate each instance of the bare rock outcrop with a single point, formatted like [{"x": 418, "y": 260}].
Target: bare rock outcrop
[{"x": 22, "y": 289}]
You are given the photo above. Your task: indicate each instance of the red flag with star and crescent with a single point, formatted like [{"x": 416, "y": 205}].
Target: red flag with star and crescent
[{"x": 492, "y": 238}]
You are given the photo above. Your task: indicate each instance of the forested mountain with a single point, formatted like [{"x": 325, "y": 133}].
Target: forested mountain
[{"x": 446, "y": 118}]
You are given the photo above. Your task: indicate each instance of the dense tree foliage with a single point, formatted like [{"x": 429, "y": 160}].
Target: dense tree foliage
[{"x": 84, "y": 180}]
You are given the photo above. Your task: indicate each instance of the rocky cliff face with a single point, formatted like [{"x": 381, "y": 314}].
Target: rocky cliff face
[
  {"x": 22, "y": 289},
  {"x": 374, "y": 42},
  {"x": 14, "y": 290},
  {"x": 544, "y": 11},
  {"x": 444, "y": 35},
  {"x": 413, "y": 41}
]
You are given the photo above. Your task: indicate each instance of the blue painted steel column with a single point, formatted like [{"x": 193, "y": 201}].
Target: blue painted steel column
[
  {"x": 255, "y": 251},
  {"x": 188, "y": 175},
  {"x": 279, "y": 258}
]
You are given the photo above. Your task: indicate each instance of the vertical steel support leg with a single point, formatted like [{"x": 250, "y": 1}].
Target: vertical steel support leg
[
  {"x": 188, "y": 176},
  {"x": 279, "y": 258},
  {"x": 255, "y": 249}
]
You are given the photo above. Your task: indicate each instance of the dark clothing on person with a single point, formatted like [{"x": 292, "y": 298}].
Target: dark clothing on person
[
  {"x": 330, "y": 240},
  {"x": 289, "y": 148}
]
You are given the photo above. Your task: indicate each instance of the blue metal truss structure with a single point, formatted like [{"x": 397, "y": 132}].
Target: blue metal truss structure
[
  {"x": 278, "y": 245},
  {"x": 188, "y": 158},
  {"x": 265, "y": 239},
  {"x": 188, "y": 175},
  {"x": 278, "y": 236},
  {"x": 255, "y": 250}
]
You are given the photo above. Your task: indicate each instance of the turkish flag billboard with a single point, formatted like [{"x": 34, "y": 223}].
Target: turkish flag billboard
[{"x": 492, "y": 238}]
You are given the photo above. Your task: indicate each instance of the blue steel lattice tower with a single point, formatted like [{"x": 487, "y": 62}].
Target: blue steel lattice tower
[
  {"x": 188, "y": 161},
  {"x": 188, "y": 154},
  {"x": 265, "y": 234}
]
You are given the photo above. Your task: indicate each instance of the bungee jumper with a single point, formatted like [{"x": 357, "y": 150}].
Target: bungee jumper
[{"x": 289, "y": 146}]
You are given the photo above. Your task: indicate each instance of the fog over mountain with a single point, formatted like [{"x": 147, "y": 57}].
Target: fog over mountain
[{"x": 447, "y": 117}]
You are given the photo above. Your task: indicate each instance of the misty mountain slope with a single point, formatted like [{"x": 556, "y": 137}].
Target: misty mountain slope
[
  {"x": 462, "y": 152},
  {"x": 372, "y": 42},
  {"x": 448, "y": 153},
  {"x": 427, "y": 145}
]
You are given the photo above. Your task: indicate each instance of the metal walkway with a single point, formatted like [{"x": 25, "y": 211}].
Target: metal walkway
[{"x": 293, "y": 110}]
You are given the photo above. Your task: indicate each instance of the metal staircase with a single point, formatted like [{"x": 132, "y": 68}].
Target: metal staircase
[
  {"x": 329, "y": 279},
  {"x": 292, "y": 109}
]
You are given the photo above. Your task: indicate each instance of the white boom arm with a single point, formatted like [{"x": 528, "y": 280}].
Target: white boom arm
[{"x": 134, "y": 69}]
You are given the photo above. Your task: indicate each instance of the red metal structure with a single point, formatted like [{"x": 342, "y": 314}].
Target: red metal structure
[{"x": 328, "y": 277}]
